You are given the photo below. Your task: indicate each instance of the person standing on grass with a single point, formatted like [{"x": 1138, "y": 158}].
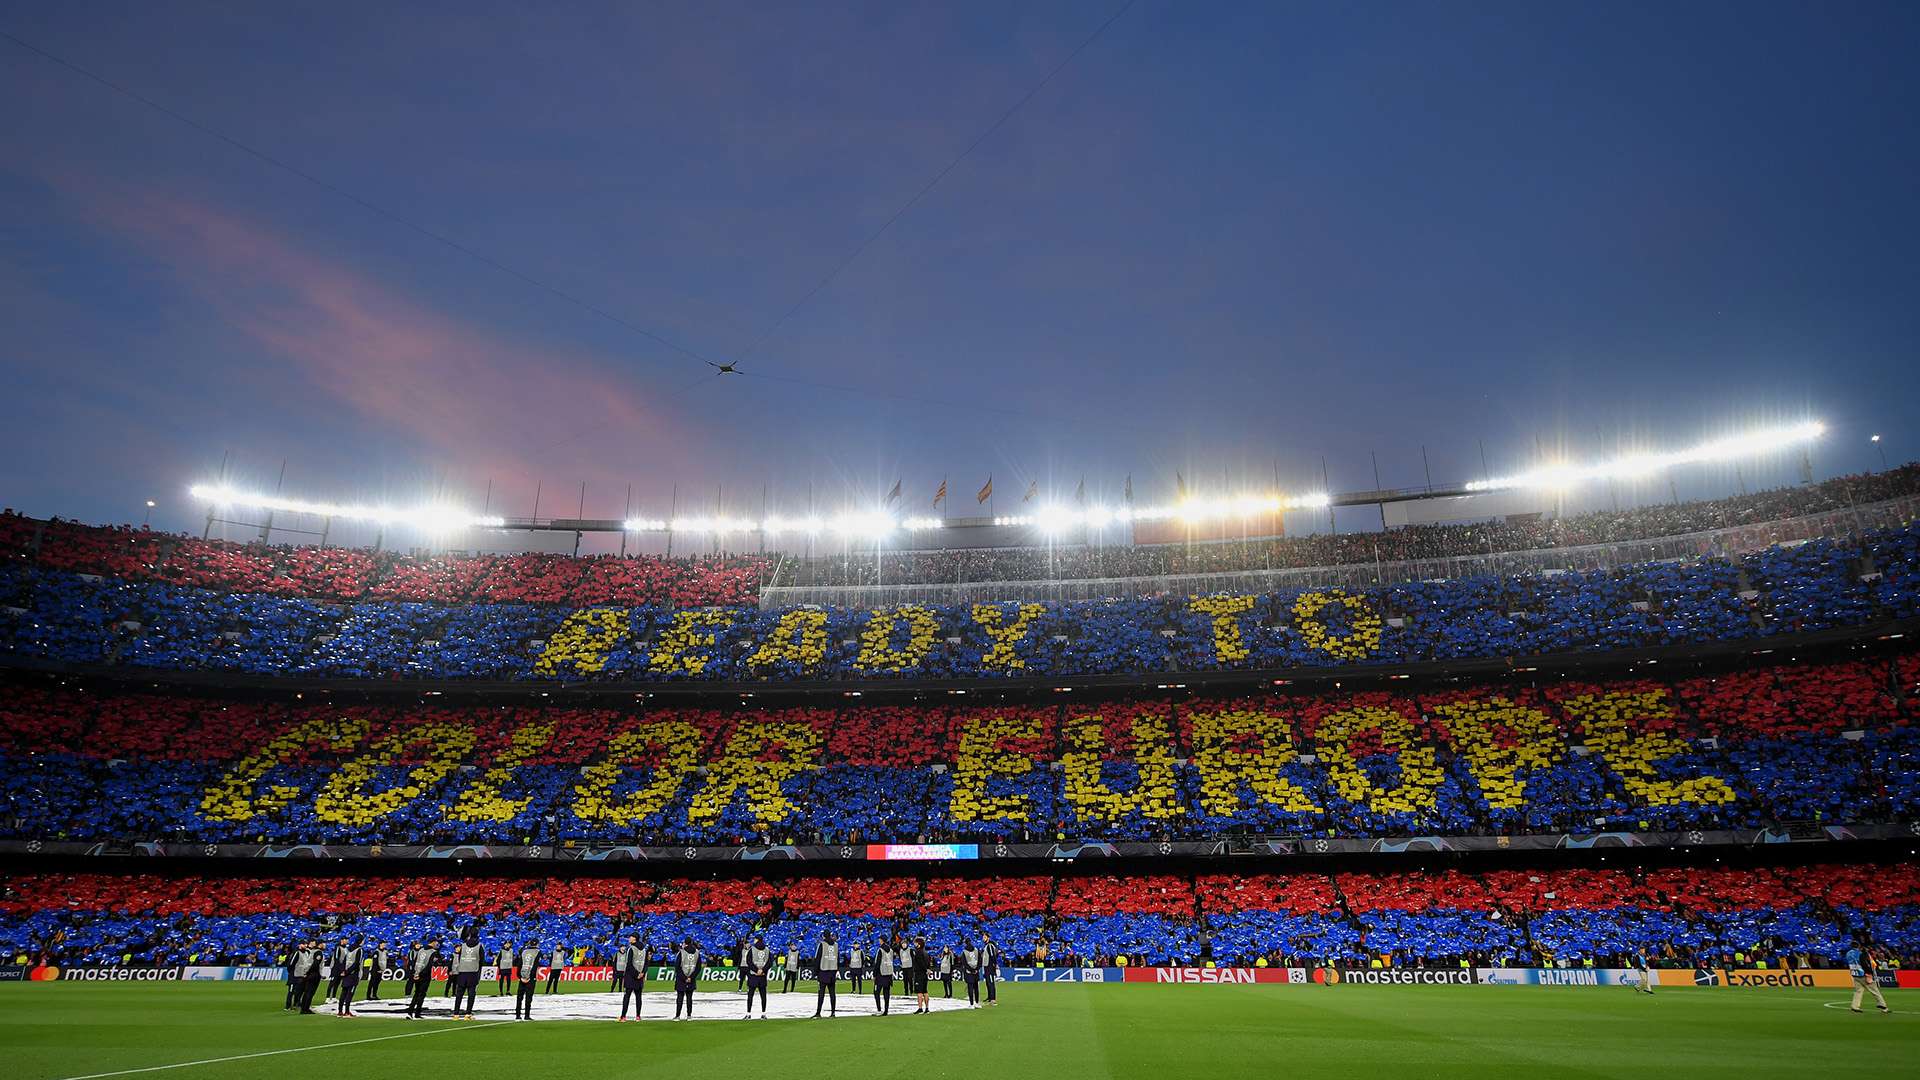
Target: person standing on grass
[
  {"x": 759, "y": 961},
  {"x": 419, "y": 978},
  {"x": 306, "y": 975},
  {"x": 970, "y": 974},
  {"x": 467, "y": 960},
  {"x": 826, "y": 968},
  {"x": 791, "y": 969},
  {"x": 348, "y": 967},
  {"x": 1643, "y": 962},
  {"x": 502, "y": 969},
  {"x": 556, "y": 963},
  {"x": 1866, "y": 975},
  {"x": 856, "y": 965},
  {"x": 527, "y": 970},
  {"x": 686, "y": 977},
  {"x": 332, "y": 967},
  {"x": 885, "y": 963},
  {"x": 990, "y": 968},
  {"x": 293, "y": 980},
  {"x": 630, "y": 973},
  {"x": 946, "y": 970},
  {"x": 920, "y": 963},
  {"x": 377, "y": 972}
]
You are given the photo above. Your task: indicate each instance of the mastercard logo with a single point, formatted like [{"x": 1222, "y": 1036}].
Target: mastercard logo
[{"x": 44, "y": 973}]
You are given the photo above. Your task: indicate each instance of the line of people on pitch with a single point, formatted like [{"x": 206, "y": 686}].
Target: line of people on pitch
[
  {"x": 911, "y": 966},
  {"x": 351, "y": 961}
]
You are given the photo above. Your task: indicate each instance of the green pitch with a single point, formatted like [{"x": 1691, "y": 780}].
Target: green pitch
[{"x": 1058, "y": 1032}]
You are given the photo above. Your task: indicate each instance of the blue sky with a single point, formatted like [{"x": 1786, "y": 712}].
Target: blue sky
[{"x": 1226, "y": 240}]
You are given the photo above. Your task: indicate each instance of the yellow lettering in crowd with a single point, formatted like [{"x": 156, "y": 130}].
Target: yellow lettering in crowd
[
  {"x": 584, "y": 640},
  {"x": 1480, "y": 728},
  {"x": 236, "y": 798},
  {"x": 1608, "y": 721},
  {"x": 1155, "y": 796},
  {"x": 677, "y": 746},
  {"x": 1006, "y": 635},
  {"x": 746, "y": 764},
  {"x": 1419, "y": 776},
  {"x": 1229, "y": 645},
  {"x": 344, "y": 798},
  {"x": 485, "y": 799},
  {"x": 800, "y": 637},
  {"x": 876, "y": 639},
  {"x": 1362, "y": 638},
  {"x": 981, "y": 758},
  {"x": 680, "y": 645},
  {"x": 1226, "y": 768}
]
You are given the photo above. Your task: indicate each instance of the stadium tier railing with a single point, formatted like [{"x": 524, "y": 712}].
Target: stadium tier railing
[{"x": 1732, "y": 540}]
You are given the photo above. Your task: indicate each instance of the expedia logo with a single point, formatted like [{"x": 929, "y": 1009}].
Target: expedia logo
[
  {"x": 1705, "y": 977},
  {"x": 1768, "y": 979}
]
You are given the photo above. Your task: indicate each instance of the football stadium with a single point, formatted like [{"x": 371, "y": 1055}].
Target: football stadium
[{"x": 353, "y": 720}]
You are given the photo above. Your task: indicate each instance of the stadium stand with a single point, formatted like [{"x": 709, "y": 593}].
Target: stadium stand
[
  {"x": 345, "y": 574},
  {"x": 1826, "y": 584},
  {"x": 1831, "y": 742},
  {"x": 1542, "y": 917}
]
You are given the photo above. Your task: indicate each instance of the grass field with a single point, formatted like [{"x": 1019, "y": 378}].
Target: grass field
[{"x": 1059, "y": 1031}]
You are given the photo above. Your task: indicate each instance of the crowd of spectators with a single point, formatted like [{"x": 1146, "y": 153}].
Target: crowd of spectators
[
  {"x": 1692, "y": 917},
  {"x": 1412, "y": 543},
  {"x": 1832, "y": 743},
  {"x": 1820, "y": 584},
  {"x": 347, "y": 574}
]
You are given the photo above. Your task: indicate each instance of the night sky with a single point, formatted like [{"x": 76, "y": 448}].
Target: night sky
[{"x": 1225, "y": 240}]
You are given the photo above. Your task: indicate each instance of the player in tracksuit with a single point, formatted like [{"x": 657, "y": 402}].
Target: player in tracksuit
[
  {"x": 630, "y": 971},
  {"x": 347, "y": 968},
  {"x": 686, "y": 977},
  {"x": 791, "y": 969},
  {"x": 990, "y": 967},
  {"x": 419, "y": 978},
  {"x": 885, "y": 961},
  {"x": 758, "y": 961},
  {"x": 919, "y": 964},
  {"x": 526, "y": 969},
  {"x": 826, "y": 968},
  {"x": 970, "y": 973}
]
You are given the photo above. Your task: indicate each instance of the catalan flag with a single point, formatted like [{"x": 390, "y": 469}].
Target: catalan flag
[
  {"x": 1032, "y": 490},
  {"x": 940, "y": 496},
  {"x": 986, "y": 491},
  {"x": 894, "y": 495}
]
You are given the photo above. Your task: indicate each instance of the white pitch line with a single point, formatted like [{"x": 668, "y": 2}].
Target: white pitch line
[{"x": 288, "y": 1050}]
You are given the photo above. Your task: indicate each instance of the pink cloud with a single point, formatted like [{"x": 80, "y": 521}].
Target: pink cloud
[{"x": 486, "y": 400}]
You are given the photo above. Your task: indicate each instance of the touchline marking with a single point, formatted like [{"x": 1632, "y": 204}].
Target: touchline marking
[{"x": 288, "y": 1050}]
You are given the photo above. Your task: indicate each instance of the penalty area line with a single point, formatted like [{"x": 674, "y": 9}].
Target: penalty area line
[{"x": 275, "y": 1053}]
